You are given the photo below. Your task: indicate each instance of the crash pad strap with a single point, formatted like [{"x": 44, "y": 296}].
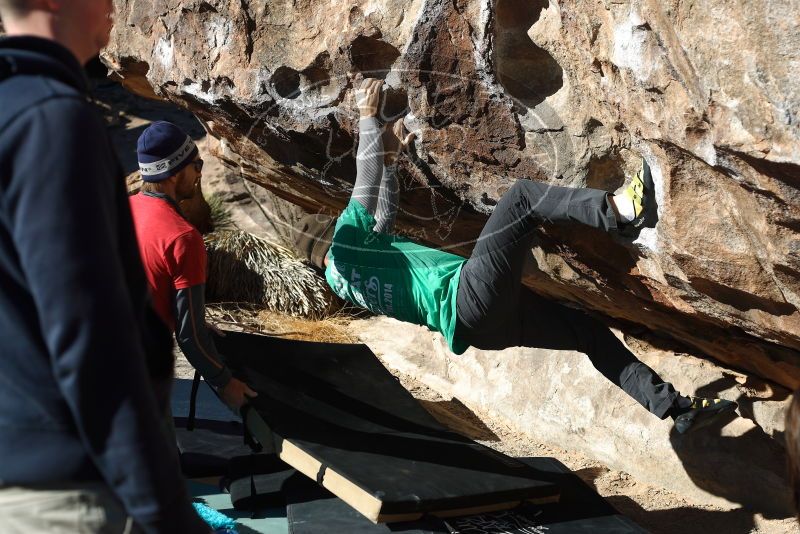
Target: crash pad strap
[
  {"x": 321, "y": 473},
  {"x": 193, "y": 401}
]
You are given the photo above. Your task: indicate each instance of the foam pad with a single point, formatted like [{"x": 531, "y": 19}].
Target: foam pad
[
  {"x": 311, "y": 509},
  {"x": 339, "y": 417},
  {"x": 256, "y": 481},
  {"x": 206, "y": 450}
]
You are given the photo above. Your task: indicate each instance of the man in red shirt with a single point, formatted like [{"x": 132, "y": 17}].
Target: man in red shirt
[{"x": 173, "y": 251}]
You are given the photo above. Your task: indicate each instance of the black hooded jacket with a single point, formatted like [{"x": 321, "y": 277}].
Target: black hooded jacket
[{"x": 76, "y": 402}]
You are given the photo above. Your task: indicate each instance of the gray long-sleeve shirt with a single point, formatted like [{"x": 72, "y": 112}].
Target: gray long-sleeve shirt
[
  {"x": 191, "y": 333},
  {"x": 376, "y": 187}
]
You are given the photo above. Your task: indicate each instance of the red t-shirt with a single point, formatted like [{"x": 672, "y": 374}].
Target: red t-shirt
[{"x": 173, "y": 252}]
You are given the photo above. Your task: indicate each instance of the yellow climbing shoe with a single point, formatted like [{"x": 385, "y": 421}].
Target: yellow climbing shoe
[
  {"x": 637, "y": 192},
  {"x": 702, "y": 412}
]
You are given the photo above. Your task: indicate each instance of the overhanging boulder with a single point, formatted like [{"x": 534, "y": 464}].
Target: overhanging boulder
[{"x": 565, "y": 92}]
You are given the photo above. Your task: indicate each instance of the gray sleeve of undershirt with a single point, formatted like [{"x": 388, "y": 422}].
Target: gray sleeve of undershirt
[
  {"x": 388, "y": 199},
  {"x": 192, "y": 335},
  {"x": 369, "y": 164}
]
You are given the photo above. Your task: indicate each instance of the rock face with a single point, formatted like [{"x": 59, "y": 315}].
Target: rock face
[
  {"x": 570, "y": 93},
  {"x": 557, "y": 397}
]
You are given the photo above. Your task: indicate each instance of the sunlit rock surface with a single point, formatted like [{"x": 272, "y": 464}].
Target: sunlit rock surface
[{"x": 571, "y": 93}]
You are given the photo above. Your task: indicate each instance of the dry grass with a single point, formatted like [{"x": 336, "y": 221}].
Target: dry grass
[
  {"x": 260, "y": 287},
  {"x": 254, "y": 319},
  {"x": 243, "y": 267},
  {"x": 332, "y": 329}
]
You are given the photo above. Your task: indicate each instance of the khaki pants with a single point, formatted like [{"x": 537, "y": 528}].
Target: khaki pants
[{"x": 69, "y": 508}]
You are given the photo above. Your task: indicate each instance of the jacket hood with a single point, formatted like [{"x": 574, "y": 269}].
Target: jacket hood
[{"x": 34, "y": 55}]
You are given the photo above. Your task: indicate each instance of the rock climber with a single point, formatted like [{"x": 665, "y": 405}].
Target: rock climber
[{"x": 477, "y": 302}]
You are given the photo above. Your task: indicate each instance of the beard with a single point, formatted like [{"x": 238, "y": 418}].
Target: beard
[{"x": 188, "y": 189}]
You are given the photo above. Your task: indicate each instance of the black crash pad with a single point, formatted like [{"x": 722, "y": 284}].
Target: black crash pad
[
  {"x": 311, "y": 509},
  {"x": 206, "y": 451},
  {"x": 339, "y": 417},
  {"x": 215, "y": 447},
  {"x": 208, "y": 406},
  {"x": 217, "y": 435}
]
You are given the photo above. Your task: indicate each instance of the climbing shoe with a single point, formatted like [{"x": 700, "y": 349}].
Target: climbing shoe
[
  {"x": 702, "y": 412},
  {"x": 637, "y": 194}
]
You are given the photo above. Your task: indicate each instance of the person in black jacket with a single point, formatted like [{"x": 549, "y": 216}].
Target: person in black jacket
[{"x": 83, "y": 445}]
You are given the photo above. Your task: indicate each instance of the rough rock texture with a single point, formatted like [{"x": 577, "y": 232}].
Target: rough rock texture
[
  {"x": 566, "y": 92},
  {"x": 558, "y": 398}
]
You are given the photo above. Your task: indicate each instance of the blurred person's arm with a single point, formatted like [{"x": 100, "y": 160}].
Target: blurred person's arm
[{"x": 65, "y": 225}]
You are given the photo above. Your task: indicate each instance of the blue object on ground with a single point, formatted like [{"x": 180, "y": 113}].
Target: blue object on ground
[
  {"x": 221, "y": 523},
  {"x": 270, "y": 520}
]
